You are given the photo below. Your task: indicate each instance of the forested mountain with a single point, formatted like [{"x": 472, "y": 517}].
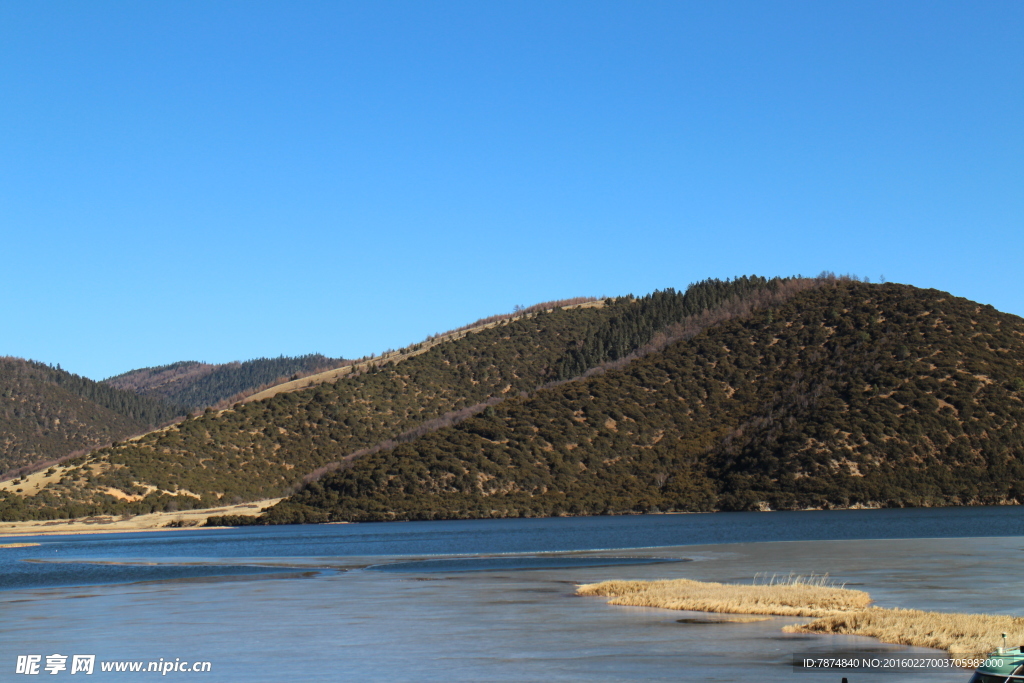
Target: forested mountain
[
  {"x": 263, "y": 448},
  {"x": 735, "y": 395},
  {"x": 636, "y": 325},
  {"x": 846, "y": 394},
  {"x": 47, "y": 413},
  {"x": 198, "y": 385}
]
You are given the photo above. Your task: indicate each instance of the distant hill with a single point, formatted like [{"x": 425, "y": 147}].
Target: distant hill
[
  {"x": 47, "y": 413},
  {"x": 847, "y": 394},
  {"x": 263, "y": 448},
  {"x": 197, "y": 385}
]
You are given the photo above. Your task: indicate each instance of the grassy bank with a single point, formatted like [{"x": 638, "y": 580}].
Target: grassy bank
[{"x": 103, "y": 524}]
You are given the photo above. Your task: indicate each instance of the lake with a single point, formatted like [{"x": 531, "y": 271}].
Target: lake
[{"x": 487, "y": 600}]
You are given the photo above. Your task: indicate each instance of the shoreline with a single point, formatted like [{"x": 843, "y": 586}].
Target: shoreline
[
  {"x": 193, "y": 519},
  {"x": 110, "y": 524}
]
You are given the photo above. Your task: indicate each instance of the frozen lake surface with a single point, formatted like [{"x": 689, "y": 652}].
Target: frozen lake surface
[{"x": 487, "y": 600}]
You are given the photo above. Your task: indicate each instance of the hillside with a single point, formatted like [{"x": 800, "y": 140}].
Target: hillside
[
  {"x": 47, "y": 413},
  {"x": 262, "y": 448},
  {"x": 198, "y": 385},
  {"x": 847, "y": 394}
]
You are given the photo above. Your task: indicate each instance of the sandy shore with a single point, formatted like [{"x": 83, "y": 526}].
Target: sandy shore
[{"x": 151, "y": 522}]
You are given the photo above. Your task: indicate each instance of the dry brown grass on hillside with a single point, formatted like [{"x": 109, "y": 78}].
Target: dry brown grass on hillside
[
  {"x": 955, "y": 633},
  {"x": 795, "y": 599},
  {"x": 353, "y": 366}
]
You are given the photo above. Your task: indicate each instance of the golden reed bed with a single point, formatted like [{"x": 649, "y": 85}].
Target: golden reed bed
[
  {"x": 793, "y": 600},
  {"x": 958, "y": 634},
  {"x": 839, "y": 611}
]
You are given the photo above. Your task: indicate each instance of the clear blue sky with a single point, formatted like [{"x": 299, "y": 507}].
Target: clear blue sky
[{"x": 227, "y": 180}]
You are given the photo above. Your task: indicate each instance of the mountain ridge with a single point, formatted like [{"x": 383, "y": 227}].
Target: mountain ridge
[
  {"x": 742, "y": 394},
  {"x": 196, "y": 385},
  {"x": 849, "y": 395},
  {"x": 261, "y": 447}
]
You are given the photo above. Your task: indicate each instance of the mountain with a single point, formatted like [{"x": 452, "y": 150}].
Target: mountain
[
  {"x": 846, "y": 394},
  {"x": 263, "y": 448},
  {"x": 47, "y": 413},
  {"x": 197, "y": 385},
  {"x": 735, "y": 395}
]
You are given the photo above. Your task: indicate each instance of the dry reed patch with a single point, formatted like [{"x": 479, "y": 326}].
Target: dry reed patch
[
  {"x": 956, "y": 633},
  {"x": 790, "y": 600}
]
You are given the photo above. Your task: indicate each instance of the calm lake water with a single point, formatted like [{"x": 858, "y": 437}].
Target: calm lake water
[{"x": 486, "y": 600}]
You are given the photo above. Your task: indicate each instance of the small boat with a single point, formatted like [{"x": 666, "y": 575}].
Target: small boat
[{"x": 1005, "y": 665}]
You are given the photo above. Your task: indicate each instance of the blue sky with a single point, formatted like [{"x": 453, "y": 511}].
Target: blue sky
[{"x": 228, "y": 180}]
